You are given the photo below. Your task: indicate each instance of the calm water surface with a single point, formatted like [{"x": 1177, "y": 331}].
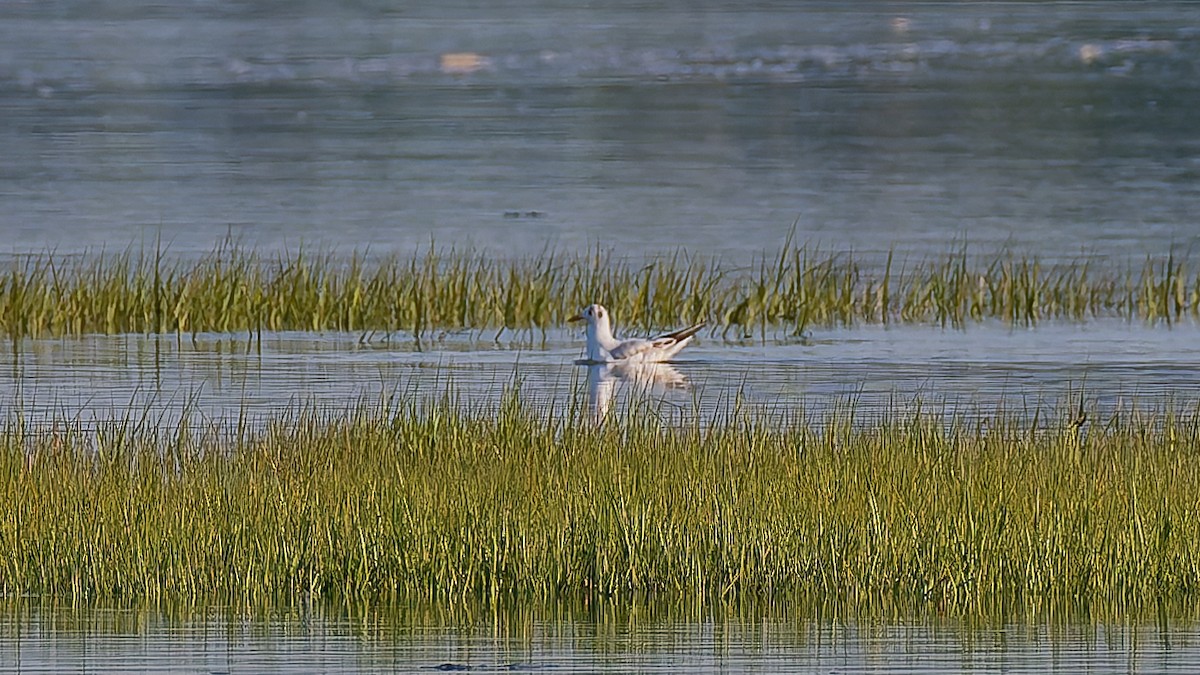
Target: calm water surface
[
  {"x": 983, "y": 369},
  {"x": 125, "y": 641}
]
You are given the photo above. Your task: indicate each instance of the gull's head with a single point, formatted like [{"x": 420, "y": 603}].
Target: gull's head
[
  {"x": 594, "y": 315},
  {"x": 600, "y": 340}
]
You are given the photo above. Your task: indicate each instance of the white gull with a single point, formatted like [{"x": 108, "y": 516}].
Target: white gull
[{"x": 602, "y": 347}]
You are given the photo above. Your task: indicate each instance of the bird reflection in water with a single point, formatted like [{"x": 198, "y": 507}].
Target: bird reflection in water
[{"x": 647, "y": 379}]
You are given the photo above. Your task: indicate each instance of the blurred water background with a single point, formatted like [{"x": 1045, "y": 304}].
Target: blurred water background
[{"x": 1058, "y": 128}]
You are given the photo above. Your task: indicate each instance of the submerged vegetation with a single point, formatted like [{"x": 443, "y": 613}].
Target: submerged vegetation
[
  {"x": 431, "y": 501},
  {"x": 234, "y": 289}
]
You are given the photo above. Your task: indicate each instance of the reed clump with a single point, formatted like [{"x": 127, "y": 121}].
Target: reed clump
[
  {"x": 235, "y": 289},
  {"x": 431, "y": 501}
]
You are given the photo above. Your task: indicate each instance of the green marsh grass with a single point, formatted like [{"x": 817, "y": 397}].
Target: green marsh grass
[
  {"x": 234, "y": 289},
  {"x": 430, "y": 501}
]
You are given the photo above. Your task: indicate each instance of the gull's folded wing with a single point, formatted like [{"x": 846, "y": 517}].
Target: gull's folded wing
[{"x": 632, "y": 348}]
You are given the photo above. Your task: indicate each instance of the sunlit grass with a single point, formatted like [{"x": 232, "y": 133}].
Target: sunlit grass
[
  {"x": 235, "y": 289},
  {"x": 431, "y": 501}
]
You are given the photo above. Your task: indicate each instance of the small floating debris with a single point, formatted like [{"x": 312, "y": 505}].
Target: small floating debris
[{"x": 460, "y": 63}]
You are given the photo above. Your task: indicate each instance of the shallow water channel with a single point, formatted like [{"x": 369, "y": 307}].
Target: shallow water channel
[{"x": 979, "y": 370}]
